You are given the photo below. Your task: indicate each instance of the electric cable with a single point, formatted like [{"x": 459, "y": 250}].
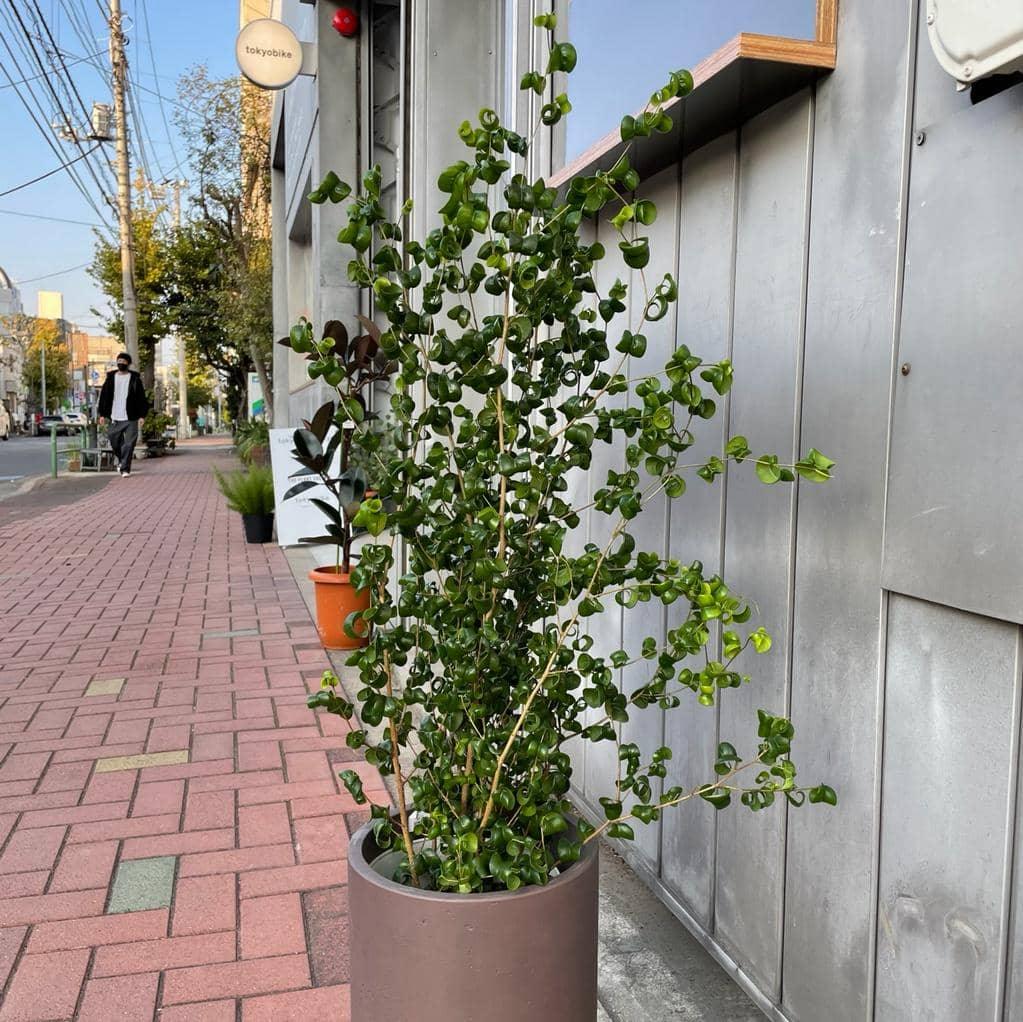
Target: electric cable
[
  {"x": 52, "y": 219},
  {"x": 44, "y": 131},
  {"x": 47, "y": 276},
  {"x": 75, "y": 60},
  {"x": 163, "y": 110},
  {"x": 40, "y": 19},
  {"x": 49, "y": 173},
  {"x": 57, "y": 99}
]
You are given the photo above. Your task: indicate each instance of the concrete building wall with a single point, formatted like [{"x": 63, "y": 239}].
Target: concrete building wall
[
  {"x": 12, "y": 390},
  {"x": 869, "y": 222}
]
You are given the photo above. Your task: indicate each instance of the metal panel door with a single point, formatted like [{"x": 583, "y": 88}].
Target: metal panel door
[
  {"x": 952, "y": 717},
  {"x": 956, "y": 473}
]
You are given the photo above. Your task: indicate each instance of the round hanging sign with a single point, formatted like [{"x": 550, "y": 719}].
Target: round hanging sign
[{"x": 269, "y": 53}]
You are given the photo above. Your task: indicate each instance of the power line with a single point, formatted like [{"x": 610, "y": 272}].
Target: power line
[
  {"x": 152, "y": 64},
  {"x": 49, "y": 173},
  {"x": 67, "y": 76},
  {"x": 44, "y": 131},
  {"x": 83, "y": 29},
  {"x": 52, "y": 219},
  {"x": 33, "y": 78},
  {"x": 58, "y": 273},
  {"x": 59, "y": 106}
]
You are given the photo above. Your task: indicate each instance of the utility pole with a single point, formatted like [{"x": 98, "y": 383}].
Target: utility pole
[
  {"x": 119, "y": 71},
  {"x": 182, "y": 368}
]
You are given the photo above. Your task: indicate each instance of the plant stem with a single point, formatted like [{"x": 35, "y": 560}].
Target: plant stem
[
  {"x": 562, "y": 633},
  {"x": 399, "y": 780},
  {"x": 684, "y": 797}
]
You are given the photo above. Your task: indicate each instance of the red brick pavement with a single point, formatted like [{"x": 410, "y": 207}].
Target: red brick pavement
[{"x": 149, "y": 580}]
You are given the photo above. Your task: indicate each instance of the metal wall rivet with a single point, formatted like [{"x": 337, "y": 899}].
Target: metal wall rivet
[
  {"x": 905, "y": 369},
  {"x": 967, "y": 71},
  {"x": 930, "y": 18},
  {"x": 920, "y": 137}
]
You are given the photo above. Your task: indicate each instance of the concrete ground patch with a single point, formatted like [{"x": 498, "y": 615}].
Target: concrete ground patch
[
  {"x": 142, "y": 884},
  {"x": 105, "y": 687},
  {"x": 147, "y": 759}
]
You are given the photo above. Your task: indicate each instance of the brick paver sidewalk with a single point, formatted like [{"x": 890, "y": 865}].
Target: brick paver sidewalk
[{"x": 172, "y": 832}]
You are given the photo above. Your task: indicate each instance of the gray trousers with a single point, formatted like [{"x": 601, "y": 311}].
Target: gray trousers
[{"x": 123, "y": 436}]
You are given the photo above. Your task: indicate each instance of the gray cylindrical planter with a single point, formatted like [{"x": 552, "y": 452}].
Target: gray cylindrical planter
[{"x": 505, "y": 957}]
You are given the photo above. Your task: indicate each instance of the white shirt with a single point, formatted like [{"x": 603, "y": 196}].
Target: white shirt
[{"x": 119, "y": 413}]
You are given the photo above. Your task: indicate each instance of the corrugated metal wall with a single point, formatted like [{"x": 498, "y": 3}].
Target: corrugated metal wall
[{"x": 820, "y": 247}]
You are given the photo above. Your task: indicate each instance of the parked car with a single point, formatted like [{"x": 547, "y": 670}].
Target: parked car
[
  {"x": 75, "y": 421},
  {"x": 53, "y": 420}
]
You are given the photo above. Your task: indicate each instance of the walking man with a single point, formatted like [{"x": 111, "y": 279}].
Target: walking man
[
  {"x": 5, "y": 421},
  {"x": 123, "y": 401}
]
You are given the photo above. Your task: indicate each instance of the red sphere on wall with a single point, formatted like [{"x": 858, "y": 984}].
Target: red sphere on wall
[{"x": 346, "y": 21}]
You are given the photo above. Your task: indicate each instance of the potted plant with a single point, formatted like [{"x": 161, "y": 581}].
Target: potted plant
[
  {"x": 324, "y": 450},
  {"x": 154, "y": 429},
  {"x": 251, "y": 494},
  {"x": 477, "y": 895},
  {"x": 252, "y": 441}
]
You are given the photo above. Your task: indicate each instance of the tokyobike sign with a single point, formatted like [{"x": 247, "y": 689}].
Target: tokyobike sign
[{"x": 269, "y": 54}]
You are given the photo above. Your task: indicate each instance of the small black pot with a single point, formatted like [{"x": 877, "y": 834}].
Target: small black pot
[{"x": 258, "y": 528}]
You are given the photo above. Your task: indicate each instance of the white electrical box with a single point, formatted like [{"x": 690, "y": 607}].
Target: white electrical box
[{"x": 976, "y": 38}]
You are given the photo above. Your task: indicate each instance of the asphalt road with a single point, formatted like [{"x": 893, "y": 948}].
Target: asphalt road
[{"x": 26, "y": 456}]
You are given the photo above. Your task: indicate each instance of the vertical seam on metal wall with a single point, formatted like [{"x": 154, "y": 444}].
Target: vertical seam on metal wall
[
  {"x": 677, "y": 206},
  {"x": 797, "y": 438},
  {"x": 879, "y": 750},
  {"x": 1008, "y": 914},
  {"x": 882, "y": 658},
  {"x": 712, "y": 921},
  {"x": 900, "y": 258}
]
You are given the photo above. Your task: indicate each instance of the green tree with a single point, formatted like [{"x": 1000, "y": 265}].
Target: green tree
[
  {"x": 196, "y": 297},
  {"x": 230, "y": 158},
  {"x": 46, "y": 335},
  {"x": 152, "y": 243}
]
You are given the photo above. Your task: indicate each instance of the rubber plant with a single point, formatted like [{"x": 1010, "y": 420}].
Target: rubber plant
[
  {"x": 479, "y": 668},
  {"x": 323, "y": 447}
]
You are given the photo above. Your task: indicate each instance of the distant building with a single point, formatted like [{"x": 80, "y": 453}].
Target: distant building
[
  {"x": 256, "y": 105},
  {"x": 91, "y": 356},
  {"x": 11, "y": 354},
  {"x": 10, "y": 296},
  {"x": 50, "y": 305}
]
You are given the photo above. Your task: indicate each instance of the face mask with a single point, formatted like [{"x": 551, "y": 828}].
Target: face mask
[{"x": 122, "y": 366}]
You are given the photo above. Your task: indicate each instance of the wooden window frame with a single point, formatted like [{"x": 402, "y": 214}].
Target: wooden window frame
[{"x": 746, "y": 52}]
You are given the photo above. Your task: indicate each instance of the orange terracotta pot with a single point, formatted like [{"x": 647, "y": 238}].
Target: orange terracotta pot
[{"x": 336, "y": 598}]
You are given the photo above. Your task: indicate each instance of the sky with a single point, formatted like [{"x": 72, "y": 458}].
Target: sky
[{"x": 182, "y": 33}]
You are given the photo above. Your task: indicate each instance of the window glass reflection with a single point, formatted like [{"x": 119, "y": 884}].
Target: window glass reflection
[{"x": 627, "y": 47}]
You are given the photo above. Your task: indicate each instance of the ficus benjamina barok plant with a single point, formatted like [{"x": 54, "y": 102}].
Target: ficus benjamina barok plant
[{"x": 482, "y": 668}]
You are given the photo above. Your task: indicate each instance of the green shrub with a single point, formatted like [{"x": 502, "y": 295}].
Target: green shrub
[
  {"x": 155, "y": 424},
  {"x": 481, "y": 666}
]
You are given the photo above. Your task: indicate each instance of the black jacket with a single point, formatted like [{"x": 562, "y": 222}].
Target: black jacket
[{"x": 137, "y": 402}]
